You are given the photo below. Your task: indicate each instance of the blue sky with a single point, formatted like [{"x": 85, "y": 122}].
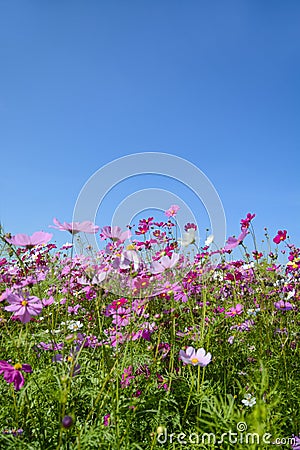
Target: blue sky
[{"x": 216, "y": 83}]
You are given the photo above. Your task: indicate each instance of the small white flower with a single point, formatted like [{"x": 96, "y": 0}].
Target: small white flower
[
  {"x": 73, "y": 325},
  {"x": 249, "y": 400}
]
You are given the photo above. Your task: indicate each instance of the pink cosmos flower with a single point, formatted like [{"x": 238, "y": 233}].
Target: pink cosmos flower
[
  {"x": 23, "y": 240},
  {"x": 164, "y": 263},
  {"x": 127, "y": 376},
  {"x": 75, "y": 227},
  {"x": 195, "y": 357},
  {"x": 235, "y": 310},
  {"x": 172, "y": 211},
  {"x": 12, "y": 374},
  {"x": 24, "y": 307},
  {"x": 115, "y": 234},
  {"x": 281, "y": 236},
  {"x": 121, "y": 317},
  {"x": 233, "y": 242}
]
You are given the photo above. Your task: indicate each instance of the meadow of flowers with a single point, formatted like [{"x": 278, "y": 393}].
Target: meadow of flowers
[{"x": 151, "y": 342}]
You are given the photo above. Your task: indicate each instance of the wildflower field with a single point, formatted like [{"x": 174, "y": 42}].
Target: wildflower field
[{"x": 151, "y": 342}]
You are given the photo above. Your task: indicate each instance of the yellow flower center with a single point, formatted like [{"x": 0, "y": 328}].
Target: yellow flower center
[
  {"x": 70, "y": 358},
  {"x": 24, "y": 303},
  {"x": 194, "y": 360},
  {"x": 18, "y": 366}
]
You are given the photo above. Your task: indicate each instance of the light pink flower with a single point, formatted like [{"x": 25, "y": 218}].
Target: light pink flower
[
  {"x": 75, "y": 227},
  {"x": 115, "y": 234},
  {"x": 164, "y": 263},
  {"x": 23, "y": 240},
  {"x": 195, "y": 357},
  {"x": 172, "y": 211},
  {"x": 233, "y": 242}
]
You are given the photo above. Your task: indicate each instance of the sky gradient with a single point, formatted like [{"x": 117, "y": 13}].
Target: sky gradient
[{"x": 216, "y": 83}]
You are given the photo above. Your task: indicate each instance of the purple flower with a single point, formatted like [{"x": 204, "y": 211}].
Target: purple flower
[
  {"x": 230, "y": 340},
  {"x": 195, "y": 357},
  {"x": 67, "y": 422},
  {"x": 283, "y": 306},
  {"x": 121, "y": 317},
  {"x": 106, "y": 420},
  {"x": 75, "y": 227},
  {"x": 50, "y": 346},
  {"x": 296, "y": 444},
  {"x": 12, "y": 374},
  {"x": 24, "y": 307},
  {"x": 23, "y": 240},
  {"x": 233, "y": 242},
  {"x": 245, "y": 326},
  {"x": 75, "y": 369}
]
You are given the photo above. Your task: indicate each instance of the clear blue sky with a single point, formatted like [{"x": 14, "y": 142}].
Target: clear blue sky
[{"x": 85, "y": 82}]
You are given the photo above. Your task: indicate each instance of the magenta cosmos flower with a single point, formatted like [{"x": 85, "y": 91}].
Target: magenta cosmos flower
[
  {"x": 24, "y": 307},
  {"x": 115, "y": 234},
  {"x": 195, "y": 357},
  {"x": 281, "y": 236},
  {"x": 75, "y": 227},
  {"x": 23, "y": 240},
  {"x": 13, "y": 374}
]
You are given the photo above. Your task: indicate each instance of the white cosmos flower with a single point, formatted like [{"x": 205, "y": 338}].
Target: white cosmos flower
[
  {"x": 73, "y": 325},
  {"x": 188, "y": 238},
  {"x": 209, "y": 239}
]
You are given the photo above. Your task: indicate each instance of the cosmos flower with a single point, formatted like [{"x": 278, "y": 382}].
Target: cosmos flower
[
  {"x": 75, "y": 227},
  {"x": 37, "y": 238},
  {"x": 283, "y": 306},
  {"x": 172, "y": 211},
  {"x": 164, "y": 263},
  {"x": 115, "y": 234},
  {"x": 195, "y": 357},
  {"x": 24, "y": 307},
  {"x": 235, "y": 310},
  {"x": 188, "y": 238},
  {"x": 281, "y": 236},
  {"x": 233, "y": 242},
  {"x": 13, "y": 374},
  {"x": 209, "y": 240}
]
